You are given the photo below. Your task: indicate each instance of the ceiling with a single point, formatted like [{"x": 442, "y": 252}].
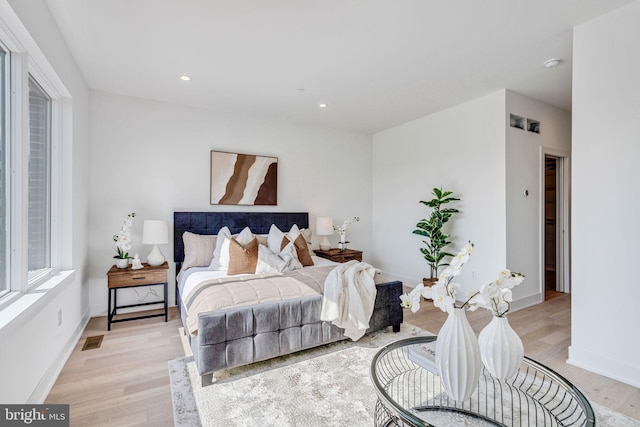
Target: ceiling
[{"x": 376, "y": 63}]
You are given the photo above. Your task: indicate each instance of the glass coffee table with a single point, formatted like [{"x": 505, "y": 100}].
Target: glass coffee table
[{"x": 409, "y": 395}]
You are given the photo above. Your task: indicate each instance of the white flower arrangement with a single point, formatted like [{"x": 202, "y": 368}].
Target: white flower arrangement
[
  {"x": 342, "y": 229},
  {"x": 123, "y": 239},
  {"x": 494, "y": 296},
  {"x": 442, "y": 293}
]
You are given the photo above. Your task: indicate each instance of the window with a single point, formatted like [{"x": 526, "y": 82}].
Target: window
[
  {"x": 39, "y": 207},
  {"x": 31, "y": 134},
  {"x": 4, "y": 170},
  {"x": 35, "y": 139}
]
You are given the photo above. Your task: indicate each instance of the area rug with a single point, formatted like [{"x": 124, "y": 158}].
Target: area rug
[{"x": 325, "y": 386}]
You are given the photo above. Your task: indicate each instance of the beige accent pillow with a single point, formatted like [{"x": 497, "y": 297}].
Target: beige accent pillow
[
  {"x": 242, "y": 260},
  {"x": 262, "y": 239},
  {"x": 198, "y": 249}
]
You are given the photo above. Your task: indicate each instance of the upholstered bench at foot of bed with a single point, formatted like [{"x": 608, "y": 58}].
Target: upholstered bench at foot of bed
[{"x": 243, "y": 335}]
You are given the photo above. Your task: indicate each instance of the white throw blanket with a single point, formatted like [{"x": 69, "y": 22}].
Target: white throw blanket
[{"x": 349, "y": 297}]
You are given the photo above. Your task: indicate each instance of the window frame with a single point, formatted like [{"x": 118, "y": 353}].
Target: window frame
[
  {"x": 6, "y": 140},
  {"x": 25, "y": 60}
]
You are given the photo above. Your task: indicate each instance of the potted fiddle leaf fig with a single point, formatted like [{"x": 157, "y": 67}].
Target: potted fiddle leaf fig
[{"x": 435, "y": 241}]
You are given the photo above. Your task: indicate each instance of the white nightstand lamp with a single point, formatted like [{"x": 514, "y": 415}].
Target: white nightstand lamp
[
  {"x": 155, "y": 232},
  {"x": 324, "y": 228}
]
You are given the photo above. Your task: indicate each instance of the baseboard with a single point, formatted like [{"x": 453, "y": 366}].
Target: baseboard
[
  {"x": 526, "y": 302},
  {"x": 47, "y": 381},
  {"x": 406, "y": 281},
  {"x": 613, "y": 369}
]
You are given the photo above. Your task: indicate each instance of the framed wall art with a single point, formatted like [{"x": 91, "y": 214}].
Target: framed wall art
[{"x": 243, "y": 179}]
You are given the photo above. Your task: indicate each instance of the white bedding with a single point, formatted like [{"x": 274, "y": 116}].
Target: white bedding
[{"x": 190, "y": 278}]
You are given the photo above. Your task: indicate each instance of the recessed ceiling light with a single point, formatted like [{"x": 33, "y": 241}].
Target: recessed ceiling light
[
  {"x": 323, "y": 105},
  {"x": 185, "y": 78},
  {"x": 552, "y": 63}
]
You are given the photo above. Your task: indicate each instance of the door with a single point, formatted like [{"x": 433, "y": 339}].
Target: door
[{"x": 555, "y": 226}]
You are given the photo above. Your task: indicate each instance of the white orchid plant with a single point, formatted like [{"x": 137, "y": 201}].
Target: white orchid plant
[
  {"x": 123, "y": 239},
  {"x": 494, "y": 296},
  {"x": 342, "y": 229}
]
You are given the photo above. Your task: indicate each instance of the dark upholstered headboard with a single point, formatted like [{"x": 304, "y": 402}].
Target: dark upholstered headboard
[{"x": 212, "y": 222}]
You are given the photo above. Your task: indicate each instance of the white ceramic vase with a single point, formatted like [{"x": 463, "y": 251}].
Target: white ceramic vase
[
  {"x": 122, "y": 262},
  {"x": 342, "y": 244},
  {"x": 458, "y": 356},
  {"x": 501, "y": 348}
]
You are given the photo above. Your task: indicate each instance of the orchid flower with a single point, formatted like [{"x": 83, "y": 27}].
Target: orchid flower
[
  {"x": 495, "y": 295},
  {"x": 123, "y": 239}
]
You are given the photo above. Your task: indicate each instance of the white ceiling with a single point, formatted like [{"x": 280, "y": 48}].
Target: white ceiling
[{"x": 376, "y": 63}]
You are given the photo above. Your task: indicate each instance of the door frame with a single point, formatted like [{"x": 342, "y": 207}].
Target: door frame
[{"x": 563, "y": 211}]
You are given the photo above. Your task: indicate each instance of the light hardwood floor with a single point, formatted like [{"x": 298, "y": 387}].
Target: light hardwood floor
[{"x": 126, "y": 382}]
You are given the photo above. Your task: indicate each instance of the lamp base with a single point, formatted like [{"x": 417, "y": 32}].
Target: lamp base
[
  {"x": 324, "y": 244},
  {"x": 155, "y": 258}
]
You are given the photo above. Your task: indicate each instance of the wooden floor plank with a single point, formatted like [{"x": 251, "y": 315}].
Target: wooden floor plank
[{"x": 125, "y": 382}]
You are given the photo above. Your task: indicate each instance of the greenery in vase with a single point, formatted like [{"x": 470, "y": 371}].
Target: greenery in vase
[{"x": 431, "y": 229}]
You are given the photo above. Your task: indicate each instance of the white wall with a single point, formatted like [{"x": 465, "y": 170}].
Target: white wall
[
  {"x": 461, "y": 149},
  {"x": 469, "y": 149},
  {"x": 152, "y": 158},
  {"x": 34, "y": 347},
  {"x": 606, "y": 200},
  {"x": 525, "y": 171}
]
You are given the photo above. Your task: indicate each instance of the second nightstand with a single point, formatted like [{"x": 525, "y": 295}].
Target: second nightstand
[{"x": 338, "y": 255}]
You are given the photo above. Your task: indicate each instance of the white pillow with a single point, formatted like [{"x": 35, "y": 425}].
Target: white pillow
[
  {"x": 274, "y": 239},
  {"x": 220, "y": 259},
  {"x": 244, "y": 237},
  {"x": 268, "y": 262}
]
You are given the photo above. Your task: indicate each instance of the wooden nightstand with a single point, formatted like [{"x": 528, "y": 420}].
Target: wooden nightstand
[
  {"x": 118, "y": 278},
  {"x": 340, "y": 255}
]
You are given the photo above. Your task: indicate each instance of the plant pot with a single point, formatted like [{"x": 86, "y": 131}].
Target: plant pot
[
  {"x": 429, "y": 282},
  {"x": 122, "y": 262}
]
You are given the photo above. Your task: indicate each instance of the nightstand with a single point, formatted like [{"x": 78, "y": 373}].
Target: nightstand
[
  {"x": 119, "y": 278},
  {"x": 340, "y": 255}
]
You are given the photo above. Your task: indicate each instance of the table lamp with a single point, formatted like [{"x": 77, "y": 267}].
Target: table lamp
[
  {"x": 324, "y": 228},
  {"x": 155, "y": 232}
]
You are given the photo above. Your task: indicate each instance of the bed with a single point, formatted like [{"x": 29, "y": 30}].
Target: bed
[{"x": 235, "y": 336}]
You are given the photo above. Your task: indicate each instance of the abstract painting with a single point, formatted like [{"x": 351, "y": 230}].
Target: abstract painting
[{"x": 243, "y": 179}]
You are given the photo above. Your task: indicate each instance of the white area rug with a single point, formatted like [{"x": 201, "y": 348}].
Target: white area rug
[{"x": 325, "y": 386}]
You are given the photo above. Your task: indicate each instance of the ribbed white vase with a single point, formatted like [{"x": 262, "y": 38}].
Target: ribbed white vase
[
  {"x": 501, "y": 348},
  {"x": 458, "y": 356}
]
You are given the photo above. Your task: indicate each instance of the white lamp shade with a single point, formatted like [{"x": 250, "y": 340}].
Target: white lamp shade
[
  {"x": 324, "y": 226},
  {"x": 155, "y": 232}
]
